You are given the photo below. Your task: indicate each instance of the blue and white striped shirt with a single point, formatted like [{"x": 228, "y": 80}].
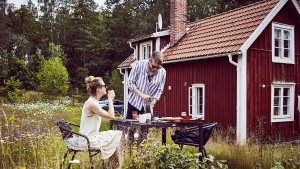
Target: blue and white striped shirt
[{"x": 138, "y": 79}]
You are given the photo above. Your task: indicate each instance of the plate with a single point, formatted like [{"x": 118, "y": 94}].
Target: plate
[
  {"x": 170, "y": 118},
  {"x": 179, "y": 119}
]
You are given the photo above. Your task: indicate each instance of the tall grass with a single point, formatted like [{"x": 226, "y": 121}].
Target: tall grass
[{"x": 29, "y": 138}]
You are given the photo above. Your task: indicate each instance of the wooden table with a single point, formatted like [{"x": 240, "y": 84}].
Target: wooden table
[{"x": 163, "y": 125}]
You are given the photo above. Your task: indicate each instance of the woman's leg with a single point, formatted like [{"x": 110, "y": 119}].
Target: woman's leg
[{"x": 117, "y": 159}]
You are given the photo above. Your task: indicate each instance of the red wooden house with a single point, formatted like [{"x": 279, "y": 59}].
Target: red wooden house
[{"x": 235, "y": 68}]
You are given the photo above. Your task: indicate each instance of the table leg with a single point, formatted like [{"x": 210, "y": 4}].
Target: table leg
[
  {"x": 201, "y": 142},
  {"x": 163, "y": 135}
]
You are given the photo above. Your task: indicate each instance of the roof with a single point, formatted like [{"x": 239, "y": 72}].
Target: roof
[
  {"x": 153, "y": 35},
  {"x": 126, "y": 63},
  {"x": 222, "y": 33}
]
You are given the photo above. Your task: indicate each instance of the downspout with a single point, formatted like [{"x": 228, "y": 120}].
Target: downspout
[
  {"x": 125, "y": 91},
  {"x": 134, "y": 55},
  {"x": 239, "y": 129},
  {"x": 232, "y": 62}
]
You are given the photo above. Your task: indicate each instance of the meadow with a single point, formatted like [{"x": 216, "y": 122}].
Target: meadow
[{"x": 30, "y": 138}]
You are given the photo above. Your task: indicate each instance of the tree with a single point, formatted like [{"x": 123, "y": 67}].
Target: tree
[
  {"x": 53, "y": 77},
  {"x": 115, "y": 83},
  {"x": 12, "y": 87}
]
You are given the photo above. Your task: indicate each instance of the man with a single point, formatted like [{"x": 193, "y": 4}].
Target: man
[{"x": 146, "y": 84}]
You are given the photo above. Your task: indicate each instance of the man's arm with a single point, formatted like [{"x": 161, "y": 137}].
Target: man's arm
[
  {"x": 160, "y": 89},
  {"x": 133, "y": 76}
]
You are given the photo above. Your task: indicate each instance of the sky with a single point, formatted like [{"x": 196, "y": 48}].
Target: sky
[{"x": 18, "y": 3}]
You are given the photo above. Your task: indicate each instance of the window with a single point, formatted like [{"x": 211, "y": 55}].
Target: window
[
  {"x": 145, "y": 50},
  {"x": 282, "y": 103},
  {"x": 283, "y": 43},
  {"x": 196, "y": 100}
]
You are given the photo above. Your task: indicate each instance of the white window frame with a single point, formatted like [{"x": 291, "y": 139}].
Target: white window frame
[
  {"x": 193, "y": 100},
  {"x": 281, "y": 59},
  {"x": 290, "y": 113},
  {"x": 145, "y": 50}
]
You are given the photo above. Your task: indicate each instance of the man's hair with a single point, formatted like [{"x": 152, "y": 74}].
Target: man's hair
[{"x": 157, "y": 57}]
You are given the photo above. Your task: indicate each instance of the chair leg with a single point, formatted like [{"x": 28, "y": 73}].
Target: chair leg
[
  {"x": 65, "y": 156},
  {"x": 181, "y": 146},
  {"x": 204, "y": 153},
  {"x": 69, "y": 166},
  {"x": 91, "y": 160}
]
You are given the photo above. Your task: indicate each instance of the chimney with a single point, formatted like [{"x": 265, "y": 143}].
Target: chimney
[{"x": 178, "y": 13}]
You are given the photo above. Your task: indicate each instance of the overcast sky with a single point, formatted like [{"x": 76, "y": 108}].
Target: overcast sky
[{"x": 18, "y": 3}]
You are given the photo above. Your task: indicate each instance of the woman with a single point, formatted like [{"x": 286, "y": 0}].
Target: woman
[{"x": 109, "y": 142}]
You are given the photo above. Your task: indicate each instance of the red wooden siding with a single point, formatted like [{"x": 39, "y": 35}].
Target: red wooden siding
[
  {"x": 219, "y": 77},
  {"x": 261, "y": 70},
  {"x": 164, "y": 41}
]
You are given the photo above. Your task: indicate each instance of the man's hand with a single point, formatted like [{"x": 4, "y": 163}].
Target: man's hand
[{"x": 146, "y": 98}]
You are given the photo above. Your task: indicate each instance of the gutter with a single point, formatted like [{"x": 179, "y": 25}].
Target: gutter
[
  {"x": 231, "y": 61},
  {"x": 205, "y": 57},
  {"x": 134, "y": 55}
]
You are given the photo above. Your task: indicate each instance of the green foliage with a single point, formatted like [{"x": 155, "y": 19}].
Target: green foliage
[
  {"x": 154, "y": 155},
  {"x": 53, "y": 78},
  {"x": 79, "y": 80},
  {"x": 56, "y": 51},
  {"x": 211, "y": 162},
  {"x": 12, "y": 87},
  {"x": 170, "y": 156},
  {"x": 115, "y": 83}
]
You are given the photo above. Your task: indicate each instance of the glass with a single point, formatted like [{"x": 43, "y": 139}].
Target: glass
[
  {"x": 134, "y": 115},
  {"x": 155, "y": 116}
]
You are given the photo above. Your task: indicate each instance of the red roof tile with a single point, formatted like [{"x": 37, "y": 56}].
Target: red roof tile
[
  {"x": 222, "y": 33},
  {"x": 126, "y": 63}
]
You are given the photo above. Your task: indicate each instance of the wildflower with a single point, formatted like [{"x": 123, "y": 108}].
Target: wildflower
[{"x": 74, "y": 161}]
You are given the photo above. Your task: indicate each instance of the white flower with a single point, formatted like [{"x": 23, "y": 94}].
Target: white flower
[{"x": 74, "y": 161}]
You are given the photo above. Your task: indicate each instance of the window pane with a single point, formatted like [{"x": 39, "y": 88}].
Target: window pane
[
  {"x": 286, "y": 34},
  {"x": 276, "y": 101},
  {"x": 286, "y": 91},
  {"x": 285, "y": 110},
  {"x": 286, "y": 53},
  {"x": 149, "y": 50},
  {"x": 276, "y": 91},
  {"x": 277, "y": 43},
  {"x": 277, "y": 52},
  {"x": 144, "y": 51},
  {"x": 277, "y": 33},
  {"x": 276, "y": 111},
  {"x": 286, "y": 101},
  {"x": 286, "y": 44}
]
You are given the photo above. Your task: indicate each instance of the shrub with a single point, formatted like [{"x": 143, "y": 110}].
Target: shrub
[
  {"x": 53, "y": 77},
  {"x": 13, "y": 90}
]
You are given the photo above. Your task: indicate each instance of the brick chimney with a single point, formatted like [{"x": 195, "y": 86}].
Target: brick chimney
[{"x": 178, "y": 13}]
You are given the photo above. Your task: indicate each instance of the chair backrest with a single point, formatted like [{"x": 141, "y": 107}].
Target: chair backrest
[
  {"x": 207, "y": 131},
  {"x": 65, "y": 129}
]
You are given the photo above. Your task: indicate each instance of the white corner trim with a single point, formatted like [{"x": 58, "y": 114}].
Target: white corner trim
[
  {"x": 241, "y": 109},
  {"x": 161, "y": 33},
  {"x": 296, "y": 5},
  {"x": 157, "y": 44},
  {"x": 263, "y": 25}
]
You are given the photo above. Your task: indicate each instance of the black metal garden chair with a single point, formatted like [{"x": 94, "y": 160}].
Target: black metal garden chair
[
  {"x": 67, "y": 133},
  {"x": 190, "y": 136}
]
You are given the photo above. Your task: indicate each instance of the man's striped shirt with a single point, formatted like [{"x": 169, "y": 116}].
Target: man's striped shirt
[{"x": 138, "y": 79}]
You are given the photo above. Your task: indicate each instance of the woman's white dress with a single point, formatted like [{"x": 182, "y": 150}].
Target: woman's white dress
[{"x": 106, "y": 141}]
